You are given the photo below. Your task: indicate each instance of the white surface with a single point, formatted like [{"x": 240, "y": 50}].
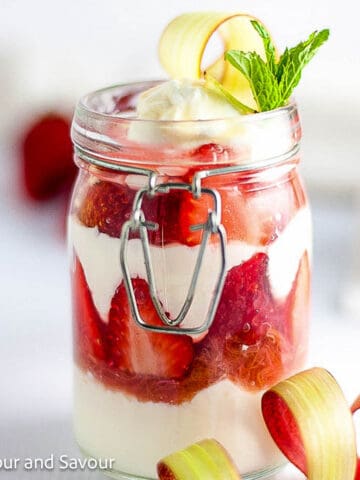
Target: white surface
[{"x": 35, "y": 340}]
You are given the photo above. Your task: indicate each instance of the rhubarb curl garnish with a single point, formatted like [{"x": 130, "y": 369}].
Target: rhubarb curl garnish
[
  {"x": 183, "y": 44},
  {"x": 251, "y": 75},
  {"x": 205, "y": 460},
  {"x": 308, "y": 417}
]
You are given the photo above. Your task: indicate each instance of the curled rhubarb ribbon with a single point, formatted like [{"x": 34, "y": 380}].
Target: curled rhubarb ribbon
[
  {"x": 309, "y": 419},
  {"x": 205, "y": 460},
  {"x": 184, "y": 40}
]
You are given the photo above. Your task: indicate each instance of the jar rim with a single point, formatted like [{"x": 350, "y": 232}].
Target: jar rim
[
  {"x": 100, "y": 129},
  {"x": 84, "y": 106}
]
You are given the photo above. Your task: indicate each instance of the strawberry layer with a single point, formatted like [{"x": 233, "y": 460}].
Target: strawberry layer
[
  {"x": 255, "y": 340},
  {"x": 111, "y": 424},
  {"x": 171, "y": 264}
]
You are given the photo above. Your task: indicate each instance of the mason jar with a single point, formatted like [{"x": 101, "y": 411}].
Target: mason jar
[{"x": 191, "y": 245}]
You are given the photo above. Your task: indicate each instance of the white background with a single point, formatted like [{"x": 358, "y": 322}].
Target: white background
[
  {"x": 50, "y": 53},
  {"x": 53, "y": 51}
]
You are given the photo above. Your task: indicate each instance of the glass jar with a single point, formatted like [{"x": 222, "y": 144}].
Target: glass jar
[{"x": 190, "y": 278}]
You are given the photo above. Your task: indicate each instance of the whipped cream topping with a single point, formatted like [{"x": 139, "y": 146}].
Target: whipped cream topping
[
  {"x": 110, "y": 424},
  {"x": 187, "y": 104},
  {"x": 171, "y": 265},
  {"x": 183, "y": 100}
]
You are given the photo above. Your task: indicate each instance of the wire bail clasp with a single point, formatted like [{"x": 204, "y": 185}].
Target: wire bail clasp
[{"x": 138, "y": 222}]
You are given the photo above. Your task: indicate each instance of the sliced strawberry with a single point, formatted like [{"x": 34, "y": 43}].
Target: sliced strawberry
[
  {"x": 246, "y": 307},
  {"x": 256, "y": 218},
  {"x": 247, "y": 325},
  {"x": 252, "y": 211},
  {"x": 47, "y": 157},
  {"x": 88, "y": 327},
  {"x": 195, "y": 211},
  {"x": 164, "y": 210},
  {"x": 107, "y": 206},
  {"x": 138, "y": 351}
]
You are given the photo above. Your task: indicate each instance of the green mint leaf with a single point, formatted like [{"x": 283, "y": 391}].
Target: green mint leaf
[
  {"x": 268, "y": 45},
  {"x": 293, "y": 60},
  {"x": 213, "y": 84},
  {"x": 263, "y": 82}
]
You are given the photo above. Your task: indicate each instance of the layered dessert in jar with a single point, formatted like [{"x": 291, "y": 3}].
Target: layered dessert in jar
[{"x": 142, "y": 393}]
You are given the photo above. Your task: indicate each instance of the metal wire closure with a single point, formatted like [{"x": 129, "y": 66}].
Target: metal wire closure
[{"x": 138, "y": 223}]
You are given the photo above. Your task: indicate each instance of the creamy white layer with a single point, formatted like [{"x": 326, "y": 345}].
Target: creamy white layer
[
  {"x": 109, "y": 424},
  {"x": 183, "y": 99},
  {"x": 99, "y": 255},
  {"x": 186, "y": 102}
]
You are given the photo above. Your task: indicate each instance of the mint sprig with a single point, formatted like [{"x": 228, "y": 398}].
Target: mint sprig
[
  {"x": 293, "y": 60},
  {"x": 268, "y": 45},
  {"x": 263, "y": 82},
  {"x": 272, "y": 82}
]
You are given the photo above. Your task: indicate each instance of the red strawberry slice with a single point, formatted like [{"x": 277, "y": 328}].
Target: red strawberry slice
[
  {"x": 247, "y": 308},
  {"x": 47, "y": 157},
  {"x": 88, "y": 327},
  {"x": 247, "y": 325},
  {"x": 256, "y": 218},
  {"x": 107, "y": 205},
  {"x": 252, "y": 211},
  {"x": 164, "y": 210},
  {"x": 138, "y": 351}
]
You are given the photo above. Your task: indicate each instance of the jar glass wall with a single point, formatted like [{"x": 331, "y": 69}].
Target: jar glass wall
[{"x": 155, "y": 202}]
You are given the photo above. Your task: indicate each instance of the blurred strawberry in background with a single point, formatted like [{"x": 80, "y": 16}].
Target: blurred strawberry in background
[
  {"x": 47, "y": 164},
  {"x": 47, "y": 168}
]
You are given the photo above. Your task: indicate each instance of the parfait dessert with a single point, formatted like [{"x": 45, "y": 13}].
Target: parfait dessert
[{"x": 191, "y": 242}]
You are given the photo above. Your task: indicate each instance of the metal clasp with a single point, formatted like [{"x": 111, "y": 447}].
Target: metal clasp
[{"x": 139, "y": 223}]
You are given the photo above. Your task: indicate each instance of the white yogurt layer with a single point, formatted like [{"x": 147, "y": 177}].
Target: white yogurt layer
[
  {"x": 109, "y": 424},
  {"x": 173, "y": 265}
]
